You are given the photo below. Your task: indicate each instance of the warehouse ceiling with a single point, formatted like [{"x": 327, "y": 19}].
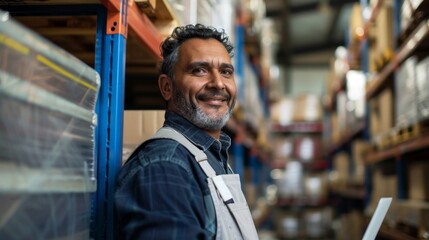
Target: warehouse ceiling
[{"x": 310, "y": 30}]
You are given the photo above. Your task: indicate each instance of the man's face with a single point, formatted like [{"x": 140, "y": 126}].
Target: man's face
[{"x": 204, "y": 88}]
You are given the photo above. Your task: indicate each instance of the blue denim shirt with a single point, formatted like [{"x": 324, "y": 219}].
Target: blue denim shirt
[{"x": 162, "y": 192}]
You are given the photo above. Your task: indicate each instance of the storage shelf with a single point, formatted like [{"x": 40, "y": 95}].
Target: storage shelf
[
  {"x": 145, "y": 28},
  {"x": 393, "y": 152},
  {"x": 347, "y": 138},
  {"x": 391, "y": 233},
  {"x": 298, "y": 127},
  {"x": 16, "y": 179},
  {"x": 423, "y": 6},
  {"x": 419, "y": 36}
]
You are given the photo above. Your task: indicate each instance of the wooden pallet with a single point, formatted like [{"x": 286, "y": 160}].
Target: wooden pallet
[
  {"x": 406, "y": 133},
  {"x": 399, "y": 135}
]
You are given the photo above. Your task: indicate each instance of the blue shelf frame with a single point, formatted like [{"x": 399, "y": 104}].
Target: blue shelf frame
[{"x": 110, "y": 63}]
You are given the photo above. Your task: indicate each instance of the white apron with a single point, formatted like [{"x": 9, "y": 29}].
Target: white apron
[{"x": 233, "y": 218}]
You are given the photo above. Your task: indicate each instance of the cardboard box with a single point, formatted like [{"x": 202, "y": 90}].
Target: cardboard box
[
  {"x": 381, "y": 113},
  {"x": 383, "y": 186},
  {"x": 414, "y": 214},
  {"x": 308, "y": 108},
  {"x": 351, "y": 226},
  {"x": 359, "y": 148},
  {"x": 342, "y": 166},
  {"x": 138, "y": 127},
  {"x": 385, "y": 40},
  {"x": 335, "y": 136},
  {"x": 385, "y": 103},
  {"x": 418, "y": 180},
  {"x": 317, "y": 222},
  {"x": 316, "y": 187},
  {"x": 288, "y": 224}
]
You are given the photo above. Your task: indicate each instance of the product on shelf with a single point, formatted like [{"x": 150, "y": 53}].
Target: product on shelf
[
  {"x": 381, "y": 118},
  {"x": 288, "y": 225},
  {"x": 383, "y": 185},
  {"x": 290, "y": 183},
  {"x": 351, "y": 226},
  {"x": 340, "y": 172},
  {"x": 384, "y": 34},
  {"x": 422, "y": 83},
  {"x": 47, "y": 167},
  {"x": 405, "y": 93},
  {"x": 307, "y": 148},
  {"x": 359, "y": 149},
  {"x": 302, "y": 108},
  {"x": 308, "y": 108},
  {"x": 316, "y": 187},
  {"x": 418, "y": 180},
  {"x": 317, "y": 222}
]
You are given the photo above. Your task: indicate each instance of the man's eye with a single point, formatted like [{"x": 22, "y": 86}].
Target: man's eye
[
  {"x": 227, "y": 72},
  {"x": 198, "y": 71}
]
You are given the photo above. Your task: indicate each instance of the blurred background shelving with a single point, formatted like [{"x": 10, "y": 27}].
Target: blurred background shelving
[{"x": 332, "y": 110}]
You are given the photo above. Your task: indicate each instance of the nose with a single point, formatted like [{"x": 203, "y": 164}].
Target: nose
[{"x": 216, "y": 81}]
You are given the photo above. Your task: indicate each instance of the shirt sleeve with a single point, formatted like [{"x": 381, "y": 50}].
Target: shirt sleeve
[{"x": 161, "y": 201}]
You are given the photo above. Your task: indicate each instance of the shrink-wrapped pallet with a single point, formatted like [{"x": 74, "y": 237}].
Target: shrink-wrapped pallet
[{"x": 47, "y": 168}]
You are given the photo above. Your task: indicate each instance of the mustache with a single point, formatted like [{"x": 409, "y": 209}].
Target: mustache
[{"x": 214, "y": 94}]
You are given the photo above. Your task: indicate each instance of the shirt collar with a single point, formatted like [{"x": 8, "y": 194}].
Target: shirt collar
[{"x": 197, "y": 136}]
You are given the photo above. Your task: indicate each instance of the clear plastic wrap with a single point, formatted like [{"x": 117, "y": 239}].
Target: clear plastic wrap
[{"x": 47, "y": 168}]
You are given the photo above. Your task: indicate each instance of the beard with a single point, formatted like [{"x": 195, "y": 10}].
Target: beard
[{"x": 197, "y": 116}]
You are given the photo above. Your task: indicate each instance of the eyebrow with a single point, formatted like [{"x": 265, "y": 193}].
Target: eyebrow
[{"x": 207, "y": 65}]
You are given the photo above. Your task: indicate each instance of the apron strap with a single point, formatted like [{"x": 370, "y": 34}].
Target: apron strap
[{"x": 200, "y": 157}]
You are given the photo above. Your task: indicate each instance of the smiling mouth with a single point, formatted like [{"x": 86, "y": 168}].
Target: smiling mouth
[
  {"x": 217, "y": 98},
  {"x": 215, "y": 102}
]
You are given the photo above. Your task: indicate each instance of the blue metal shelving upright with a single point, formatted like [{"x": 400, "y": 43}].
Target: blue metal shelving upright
[
  {"x": 110, "y": 63},
  {"x": 238, "y": 148}
]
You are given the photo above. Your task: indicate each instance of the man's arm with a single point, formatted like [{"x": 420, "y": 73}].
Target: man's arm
[{"x": 161, "y": 201}]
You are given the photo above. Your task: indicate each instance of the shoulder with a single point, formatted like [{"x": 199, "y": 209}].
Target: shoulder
[
  {"x": 163, "y": 150},
  {"x": 164, "y": 156},
  {"x": 158, "y": 152}
]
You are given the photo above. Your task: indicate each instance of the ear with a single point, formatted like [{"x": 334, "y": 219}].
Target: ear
[{"x": 165, "y": 86}]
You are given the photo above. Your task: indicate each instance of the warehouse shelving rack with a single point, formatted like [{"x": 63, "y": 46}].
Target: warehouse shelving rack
[
  {"x": 416, "y": 39},
  {"x": 302, "y": 204},
  {"x": 114, "y": 19},
  {"x": 399, "y": 155}
]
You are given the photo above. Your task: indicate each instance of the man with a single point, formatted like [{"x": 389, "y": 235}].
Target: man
[{"x": 178, "y": 184}]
